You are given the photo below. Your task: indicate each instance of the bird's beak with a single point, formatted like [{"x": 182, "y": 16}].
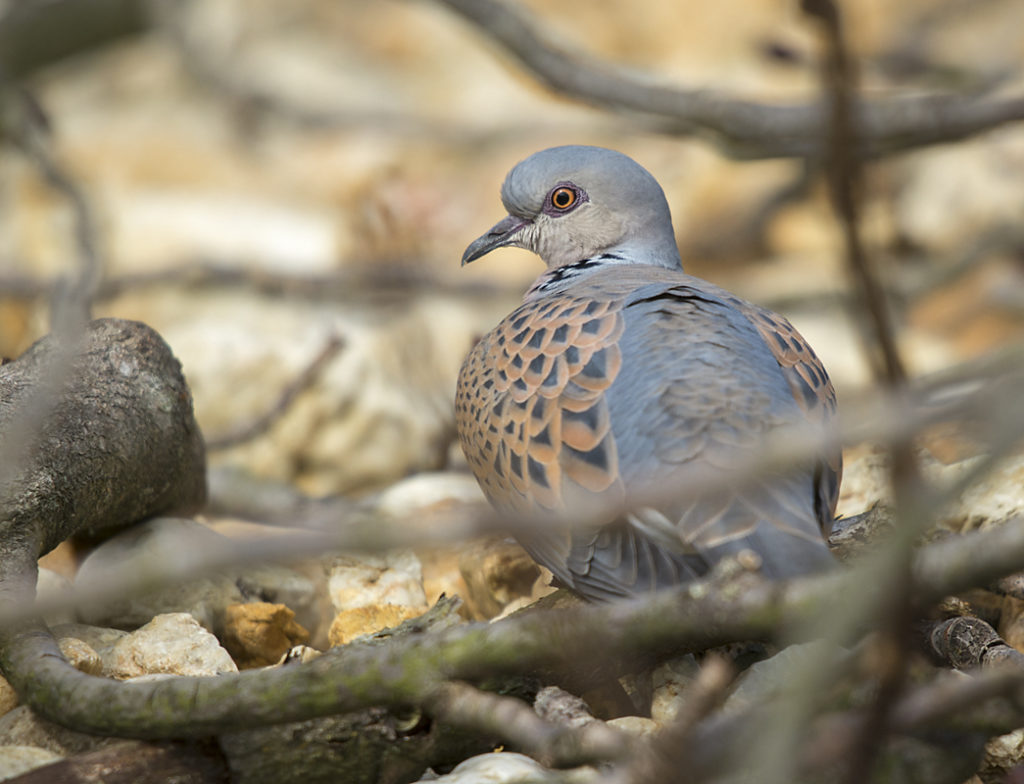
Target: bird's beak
[{"x": 504, "y": 232}]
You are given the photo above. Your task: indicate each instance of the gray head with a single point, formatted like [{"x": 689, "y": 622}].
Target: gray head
[{"x": 571, "y": 203}]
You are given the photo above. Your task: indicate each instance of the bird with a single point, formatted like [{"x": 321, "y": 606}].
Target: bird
[{"x": 613, "y": 404}]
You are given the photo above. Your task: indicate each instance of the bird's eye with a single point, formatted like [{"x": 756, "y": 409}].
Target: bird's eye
[{"x": 563, "y": 198}]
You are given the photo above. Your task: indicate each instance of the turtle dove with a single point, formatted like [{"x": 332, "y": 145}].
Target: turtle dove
[{"x": 621, "y": 379}]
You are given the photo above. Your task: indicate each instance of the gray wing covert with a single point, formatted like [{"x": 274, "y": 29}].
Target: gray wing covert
[{"x": 696, "y": 396}]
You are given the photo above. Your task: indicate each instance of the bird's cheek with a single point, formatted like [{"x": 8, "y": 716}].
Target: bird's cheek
[{"x": 601, "y": 227}]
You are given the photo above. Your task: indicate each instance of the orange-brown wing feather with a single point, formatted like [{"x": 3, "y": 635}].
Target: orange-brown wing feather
[
  {"x": 813, "y": 391},
  {"x": 530, "y": 407}
]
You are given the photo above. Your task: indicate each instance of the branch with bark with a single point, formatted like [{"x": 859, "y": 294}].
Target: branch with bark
[{"x": 741, "y": 129}]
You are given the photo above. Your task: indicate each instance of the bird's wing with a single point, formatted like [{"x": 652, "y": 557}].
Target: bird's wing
[
  {"x": 813, "y": 391},
  {"x": 581, "y": 402}
]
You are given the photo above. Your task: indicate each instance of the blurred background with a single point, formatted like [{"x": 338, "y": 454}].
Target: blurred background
[{"x": 264, "y": 175}]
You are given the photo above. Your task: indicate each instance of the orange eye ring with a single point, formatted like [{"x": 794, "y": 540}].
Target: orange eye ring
[{"x": 563, "y": 198}]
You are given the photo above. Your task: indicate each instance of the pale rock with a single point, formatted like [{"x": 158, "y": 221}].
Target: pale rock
[
  {"x": 15, "y": 760},
  {"x": 97, "y": 638},
  {"x": 865, "y": 480},
  {"x": 277, "y": 584},
  {"x": 558, "y": 706},
  {"x": 670, "y": 681},
  {"x": 636, "y": 726},
  {"x": 952, "y": 192},
  {"x": 441, "y": 575},
  {"x": 497, "y": 572},
  {"x": 300, "y": 654},
  {"x": 1003, "y": 754},
  {"x": 154, "y": 225},
  {"x": 366, "y": 580},
  {"x": 175, "y": 644},
  {"x": 164, "y": 543},
  {"x": 383, "y": 401},
  {"x": 386, "y": 402},
  {"x": 429, "y": 491},
  {"x": 430, "y": 502},
  {"x": 8, "y": 696},
  {"x": 358, "y": 621},
  {"x": 81, "y": 655},
  {"x": 258, "y": 634},
  {"x": 997, "y": 497},
  {"x": 54, "y": 587},
  {"x": 503, "y": 767}
]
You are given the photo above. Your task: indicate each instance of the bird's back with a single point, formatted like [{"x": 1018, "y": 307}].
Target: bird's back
[{"x": 618, "y": 394}]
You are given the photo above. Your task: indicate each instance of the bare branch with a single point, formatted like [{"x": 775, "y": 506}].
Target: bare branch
[
  {"x": 26, "y": 125},
  {"x": 517, "y": 724},
  {"x": 742, "y": 129},
  {"x": 966, "y": 643},
  {"x": 261, "y": 424}
]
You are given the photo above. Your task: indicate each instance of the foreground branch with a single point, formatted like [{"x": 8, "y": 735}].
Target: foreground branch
[
  {"x": 120, "y": 443},
  {"x": 591, "y": 642}
]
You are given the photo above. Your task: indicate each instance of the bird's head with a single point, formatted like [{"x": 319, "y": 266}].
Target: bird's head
[{"x": 571, "y": 203}]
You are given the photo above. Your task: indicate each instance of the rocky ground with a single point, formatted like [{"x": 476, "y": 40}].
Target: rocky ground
[{"x": 268, "y": 177}]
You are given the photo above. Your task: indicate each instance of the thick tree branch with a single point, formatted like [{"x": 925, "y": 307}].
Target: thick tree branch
[
  {"x": 409, "y": 670},
  {"x": 119, "y": 445}
]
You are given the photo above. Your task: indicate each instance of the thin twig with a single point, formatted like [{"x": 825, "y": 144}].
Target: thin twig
[
  {"x": 341, "y": 285},
  {"x": 517, "y": 724},
  {"x": 845, "y": 178},
  {"x": 261, "y": 424},
  {"x": 843, "y": 168},
  {"x": 666, "y": 756},
  {"x": 28, "y": 128}
]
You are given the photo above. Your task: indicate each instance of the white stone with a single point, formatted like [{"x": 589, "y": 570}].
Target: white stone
[
  {"x": 99, "y": 639},
  {"x": 504, "y": 767},
  {"x": 174, "y": 644},
  {"x": 365, "y": 580},
  {"x": 670, "y": 682},
  {"x": 635, "y": 726},
  {"x": 428, "y": 489}
]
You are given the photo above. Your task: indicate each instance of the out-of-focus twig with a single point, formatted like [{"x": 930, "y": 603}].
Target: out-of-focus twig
[
  {"x": 844, "y": 175},
  {"x": 343, "y": 285},
  {"x": 26, "y": 125},
  {"x": 516, "y": 723},
  {"x": 782, "y": 740},
  {"x": 666, "y": 757},
  {"x": 261, "y": 424},
  {"x": 744, "y": 129},
  {"x": 254, "y": 103}
]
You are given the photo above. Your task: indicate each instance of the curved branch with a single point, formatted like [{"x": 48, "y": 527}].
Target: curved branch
[
  {"x": 742, "y": 129},
  {"x": 408, "y": 670}
]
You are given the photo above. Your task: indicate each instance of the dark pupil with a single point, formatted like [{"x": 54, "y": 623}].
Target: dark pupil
[{"x": 563, "y": 198}]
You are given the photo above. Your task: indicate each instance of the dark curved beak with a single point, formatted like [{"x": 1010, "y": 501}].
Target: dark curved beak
[{"x": 504, "y": 232}]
